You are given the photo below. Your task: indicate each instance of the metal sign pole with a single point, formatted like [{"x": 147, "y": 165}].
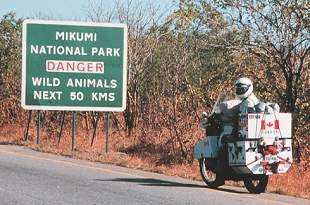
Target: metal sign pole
[{"x": 106, "y": 132}]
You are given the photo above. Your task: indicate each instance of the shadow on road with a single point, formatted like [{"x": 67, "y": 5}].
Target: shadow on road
[
  {"x": 158, "y": 182},
  {"x": 151, "y": 182}
]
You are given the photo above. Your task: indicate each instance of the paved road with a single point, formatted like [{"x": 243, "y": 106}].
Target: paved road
[{"x": 29, "y": 177}]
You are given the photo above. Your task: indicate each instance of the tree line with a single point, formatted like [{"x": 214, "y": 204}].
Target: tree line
[{"x": 179, "y": 62}]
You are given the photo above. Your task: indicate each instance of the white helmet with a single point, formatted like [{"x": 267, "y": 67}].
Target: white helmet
[{"x": 244, "y": 88}]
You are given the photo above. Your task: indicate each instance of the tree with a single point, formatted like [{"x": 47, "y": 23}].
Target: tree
[
  {"x": 140, "y": 17},
  {"x": 268, "y": 40},
  {"x": 277, "y": 34},
  {"x": 10, "y": 56},
  {"x": 10, "y": 67}
]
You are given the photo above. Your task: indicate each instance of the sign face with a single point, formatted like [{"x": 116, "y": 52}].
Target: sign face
[{"x": 78, "y": 66}]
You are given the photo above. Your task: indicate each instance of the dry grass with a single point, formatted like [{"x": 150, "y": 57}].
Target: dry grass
[{"x": 296, "y": 182}]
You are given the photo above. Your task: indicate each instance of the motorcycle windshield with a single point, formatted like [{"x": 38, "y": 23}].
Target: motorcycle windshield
[{"x": 216, "y": 107}]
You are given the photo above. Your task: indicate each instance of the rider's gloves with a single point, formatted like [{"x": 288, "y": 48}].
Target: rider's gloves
[{"x": 204, "y": 120}]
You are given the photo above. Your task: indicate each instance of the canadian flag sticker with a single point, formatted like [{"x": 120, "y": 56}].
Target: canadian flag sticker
[{"x": 274, "y": 124}]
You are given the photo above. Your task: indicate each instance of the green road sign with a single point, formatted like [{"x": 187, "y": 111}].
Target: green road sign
[{"x": 78, "y": 66}]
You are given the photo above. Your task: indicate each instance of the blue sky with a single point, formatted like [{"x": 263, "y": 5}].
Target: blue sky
[{"x": 59, "y": 9}]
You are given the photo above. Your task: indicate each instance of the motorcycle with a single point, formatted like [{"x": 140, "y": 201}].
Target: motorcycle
[{"x": 247, "y": 148}]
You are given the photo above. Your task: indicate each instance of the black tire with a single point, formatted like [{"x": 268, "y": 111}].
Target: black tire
[
  {"x": 209, "y": 176},
  {"x": 257, "y": 185}
]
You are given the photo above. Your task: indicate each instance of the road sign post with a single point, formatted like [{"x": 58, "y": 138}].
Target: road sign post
[{"x": 76, "y": 66}]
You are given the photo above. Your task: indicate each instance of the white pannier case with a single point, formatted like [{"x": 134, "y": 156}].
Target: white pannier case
[{"x": 264, "y": 144}]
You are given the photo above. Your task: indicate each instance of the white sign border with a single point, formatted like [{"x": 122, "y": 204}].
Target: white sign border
[{"x": 71, "y": 108}]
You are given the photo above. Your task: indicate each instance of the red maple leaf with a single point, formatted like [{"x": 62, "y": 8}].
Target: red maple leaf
[{"x": 270, "y": 124}]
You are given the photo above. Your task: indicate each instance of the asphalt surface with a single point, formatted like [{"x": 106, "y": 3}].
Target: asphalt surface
[{"x": 29, "y": 177}]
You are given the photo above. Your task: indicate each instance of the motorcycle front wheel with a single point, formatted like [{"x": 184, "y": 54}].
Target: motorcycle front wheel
[
  {"x": 256, "y": 186},
  {"x": 209, "y": 176}
]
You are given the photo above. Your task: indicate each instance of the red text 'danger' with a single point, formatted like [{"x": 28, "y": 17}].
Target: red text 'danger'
[{"x": 74, "y": 66}]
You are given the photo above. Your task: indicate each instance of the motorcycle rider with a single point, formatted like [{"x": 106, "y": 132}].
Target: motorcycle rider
[
  {"x": 246, "y": 102},
  {"x": 230, "y": 110},
  {"x": 244, "y": 92}
]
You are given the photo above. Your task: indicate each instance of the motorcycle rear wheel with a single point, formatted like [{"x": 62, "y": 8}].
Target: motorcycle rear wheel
[
  {"x": 209, "y": 176},
  {"x": 256, "y": 186}
]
